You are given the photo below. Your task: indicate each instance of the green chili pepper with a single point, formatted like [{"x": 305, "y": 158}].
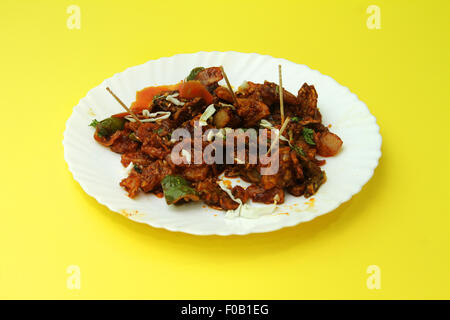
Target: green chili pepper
[
  {"x": 94, "y": 123},
  {"x": 176, "y": 188},
  {"x": 108, "y": 126},
  {"x": 194, "y": 73}
]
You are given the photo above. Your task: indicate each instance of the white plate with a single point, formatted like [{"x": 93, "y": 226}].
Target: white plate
[{"x": 99, "y": 171}]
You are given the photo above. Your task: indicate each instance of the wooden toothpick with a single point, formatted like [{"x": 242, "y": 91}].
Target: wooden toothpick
[
  {"x": 283, "y": 127},
  {"x": 280, "y": 92},
  {"x": 229, "y": 85},
  {"x": 123, "y": 105}
]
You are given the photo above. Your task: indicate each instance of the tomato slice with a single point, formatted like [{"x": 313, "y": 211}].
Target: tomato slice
[
  {"x": 120, "y": 115},
  {"x": 194, "y": 88},
  {"x": 188, "y": 89}
]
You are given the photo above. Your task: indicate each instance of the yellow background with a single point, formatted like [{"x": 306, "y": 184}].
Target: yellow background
[{"x": 399, "y": 221}]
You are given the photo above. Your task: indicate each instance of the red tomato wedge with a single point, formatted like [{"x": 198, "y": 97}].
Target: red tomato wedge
[
  {"x": 120, "y": 115},
  {"x": 189, "y": 90},
  {"x": 194, "y": 88}
]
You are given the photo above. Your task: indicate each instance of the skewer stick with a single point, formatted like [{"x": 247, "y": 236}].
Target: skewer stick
[
  {"x": 283, "y": 127},
  {"x": 229, "y": 85},
  {"x": 280, "y": 92},
  {"x": 123, "y": 105}
]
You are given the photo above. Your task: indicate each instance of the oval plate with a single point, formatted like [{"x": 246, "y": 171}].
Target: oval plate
[{"x": 99, "y": 171}]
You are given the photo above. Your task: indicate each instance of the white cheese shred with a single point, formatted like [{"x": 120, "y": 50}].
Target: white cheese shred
[
  {"x": 266, "y": 124},
  {"x": 245, "y": 210},
  {"x": 206, "y": 115},
  {"x": 172, "y": 98},
  {"x": 151, "y": 117}
]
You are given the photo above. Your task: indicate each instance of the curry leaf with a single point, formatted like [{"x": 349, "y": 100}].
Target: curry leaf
[
  {"x": 308, "y": 134},
  {"x": 298, "y": 149}
]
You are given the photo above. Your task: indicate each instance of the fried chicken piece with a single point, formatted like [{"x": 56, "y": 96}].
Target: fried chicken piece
[
  {"x": 138, "y": 158},
  {"x": 153, "y": 174},
  {"x": 307, "y": 98},
  {"x": 196, "y": 172},
  {"x": 124, "y": 144},
  {"x": 259, "y": 194},
  {"x": 209, "y": 76},
  {"x": 250, "y": 110},
  {"x": 239, "y": 193},
  {"x": 214, "y": 196},
  {"x": 131, "y": 184}
]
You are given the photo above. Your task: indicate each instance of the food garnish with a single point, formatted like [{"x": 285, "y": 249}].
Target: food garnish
[{"x": 308, "y": 134}]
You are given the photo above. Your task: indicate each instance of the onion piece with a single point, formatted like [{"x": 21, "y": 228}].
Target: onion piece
[{"x": 329, "y": 144}]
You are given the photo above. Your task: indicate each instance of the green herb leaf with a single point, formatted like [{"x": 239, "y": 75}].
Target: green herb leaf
[
  {"x": 94, "y": 123},
  {"x": 194, "y": 73},
  {"x": 132, "y": 136},
  {"x": 137, "y": 168},
  {"x": 298, "y": 149},
  {"x": 295, "y": 119},
  {"x": 156, "y": 97},
  {"x": 176, "y": 188},
  {"x": 109, "y": 126},
  {"x": 308, "y": 134}
]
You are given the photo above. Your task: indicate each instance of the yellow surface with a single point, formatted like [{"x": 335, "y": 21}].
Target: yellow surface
[{"x": 399, "y": 221}]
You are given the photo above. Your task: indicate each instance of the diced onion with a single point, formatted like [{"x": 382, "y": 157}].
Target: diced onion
[{"x": 243, "y": 86}]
